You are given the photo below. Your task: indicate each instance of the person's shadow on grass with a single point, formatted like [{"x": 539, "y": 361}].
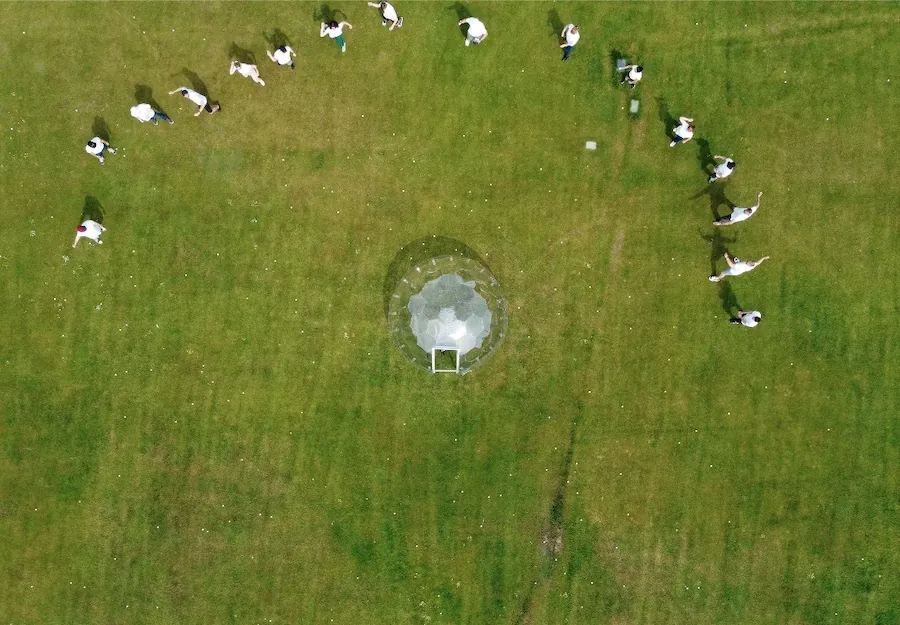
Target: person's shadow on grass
[
  {"x": 718, "y": 245},
  {"x": 705, "y": 157},
  {"x": 92, "y": 210},
  {"x": 716, "y": 195},
  {"x": 462, "y": 13},
  {"x": 615, "y": 74},
  {"x": 416, "y": 252},
  {"x": 324, "y": 14},
  {"x": 100, "y": 128},
  {"x": 555, "y": 23},
  {"x": 277, "y": 39},
  {"x": 242, "y": 55},
  {"x": 728, "y": 300},
  {"x": 144, "y": 95},
  {"x": 669, "y": 122}
]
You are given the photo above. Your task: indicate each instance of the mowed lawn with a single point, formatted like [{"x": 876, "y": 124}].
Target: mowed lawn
[{"x": 204, "y": 420}]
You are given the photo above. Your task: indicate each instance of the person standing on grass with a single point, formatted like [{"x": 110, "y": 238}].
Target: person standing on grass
[
  {"x": 388, "y": 14},
  {"x": 247, "y": 71},
  {"x": 683, "y": 132},
  {"x": 739, "y": 214},
  {"x": 736, "y": 267},
  {"x": 89, "y": 229},
  {"x": 723, "y": 169},
  {"x": 283, "y": 56},
  {"x": 750, "y": 319},
  {"x": 199, "y": 99},
  {"x": 477, "y": 31},
  {"x": 570, "y": 36},
  {"x": 96, "y": 147},
  {"x": 633, "y": 75},
  {"x": 335, "y": 30},
  {"x": 146, "y": 113}
]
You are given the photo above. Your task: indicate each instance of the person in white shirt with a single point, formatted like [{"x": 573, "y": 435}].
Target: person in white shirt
[
  {"x": 388, "y": 14},
  {"x": 283, "y": 56},
  {"x": 247, "y": 71},
  {"x": 335, "y": 30},
  {"x": 570, "y": 36},
  {"x": 146, "y": 113},
  {"x": 683, "y": 132},
  {"x": 736, "y": 267},
  {"x": 750, "y": 319},
  {"x": 723, "y": 169},
  {"x": 89, "y": 229},
  {"x": 477, "y": 31},
  {"x": 633, "y": 75},
  {"x": 739, "y": 214},
  {"x": 199, "y": 99},
  {"x": 96, "y": 147}
]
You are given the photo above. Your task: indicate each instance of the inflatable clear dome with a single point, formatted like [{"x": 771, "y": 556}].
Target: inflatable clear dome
[{"x": 448, "y": 314}]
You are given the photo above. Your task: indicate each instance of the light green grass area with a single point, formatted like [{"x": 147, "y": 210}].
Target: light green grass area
[{"x": 204, "y": 420}]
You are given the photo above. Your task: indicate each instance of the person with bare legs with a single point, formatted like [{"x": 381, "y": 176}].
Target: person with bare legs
[
  {"x": 683, "y": 132},
  {"x": 723, "y": 169},
  {"x": 247, "y": 71},
  {"x": 739, "y": 214},
  {"x": 736, "y": 267},
  {"x": 89, "y": 229},
  {"x": 388, "y": 14},
  {"x": 283, "y": 56},
  {"x": 197, "y": 98}
]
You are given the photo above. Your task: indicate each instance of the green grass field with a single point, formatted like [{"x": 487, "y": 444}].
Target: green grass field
[{"x": 204, "y": 420}]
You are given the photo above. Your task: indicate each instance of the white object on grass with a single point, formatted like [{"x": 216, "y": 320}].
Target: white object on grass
[
  {"x": 620, "y": 65},
  {"x": 590, "y": 145},
  {"x": 635, "y": 106}
]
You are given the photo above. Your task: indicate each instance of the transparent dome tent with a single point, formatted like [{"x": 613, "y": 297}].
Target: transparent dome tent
[{"x": 448, "y": 314}]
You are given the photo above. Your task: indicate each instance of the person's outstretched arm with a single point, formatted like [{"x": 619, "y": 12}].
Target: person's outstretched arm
[
  {"x": 174, "y": 91},
  {"x": 347, "y": 24},
  {"x": 483, "y": 37},
  {"x": 375, "y": 5},
  {"x": 760, "y": 261},
  {"x": 322, "y": 30},
  {"x": 721, "y": 158},
  {"x": 464, "y": 21},
  {"x": 728, "y": 260},
  {"x": 685, "y": 120}
]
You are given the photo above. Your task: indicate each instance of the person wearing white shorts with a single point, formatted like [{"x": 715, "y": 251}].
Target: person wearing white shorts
[
  {"x": 388, "y": 14},
  {"x": 739, "y": 214},
  {"x": 748, "y": 319},
  {"x": 89, "y": 229},
  {"x": 247, "y": 71},
  {"x": 736, "y": 267},
  {"x": 477, "y": 31}
]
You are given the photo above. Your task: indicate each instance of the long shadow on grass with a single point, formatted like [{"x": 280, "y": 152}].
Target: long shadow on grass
[
  {"x": 144, "y": 95},
  {"x": 669, "y": 122},
  {"x": 100, "y": 128},
  {"x": 615, "y": 74},
  {"x": 705, "y": 157},
  {"x": 242, "y": 55},
  {"x": 416, "y": 252},
  {"x": 462, "y": 12},
  {"x": 324, "y": 13},
  {"x": 552, "y": 534},
  {"x": 729, "y": 300},
  {"x": 92, "y": 209},
  {"x": 277, "y": 38},
  {"x": 718, "y": 245},
  {"x": 716, "y": 194},
  {"x": 555, "y": 23}
]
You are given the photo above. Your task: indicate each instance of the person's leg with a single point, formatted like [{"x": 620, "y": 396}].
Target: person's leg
[
  {"x": 724, "y": 221},
  {"x": 675, "y": 141},
  {"x": 734, "y": 321},
  {"x": 399, "y": 22},
  {"x": 339, "y": 40},
  {"x": 567, "y": 52},
  {"x": 161, "y": 116},
  {"x": 468, "y": 39}
]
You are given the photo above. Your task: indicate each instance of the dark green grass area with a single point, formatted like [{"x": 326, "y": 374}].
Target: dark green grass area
[{"x": 204, "y": 420}]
